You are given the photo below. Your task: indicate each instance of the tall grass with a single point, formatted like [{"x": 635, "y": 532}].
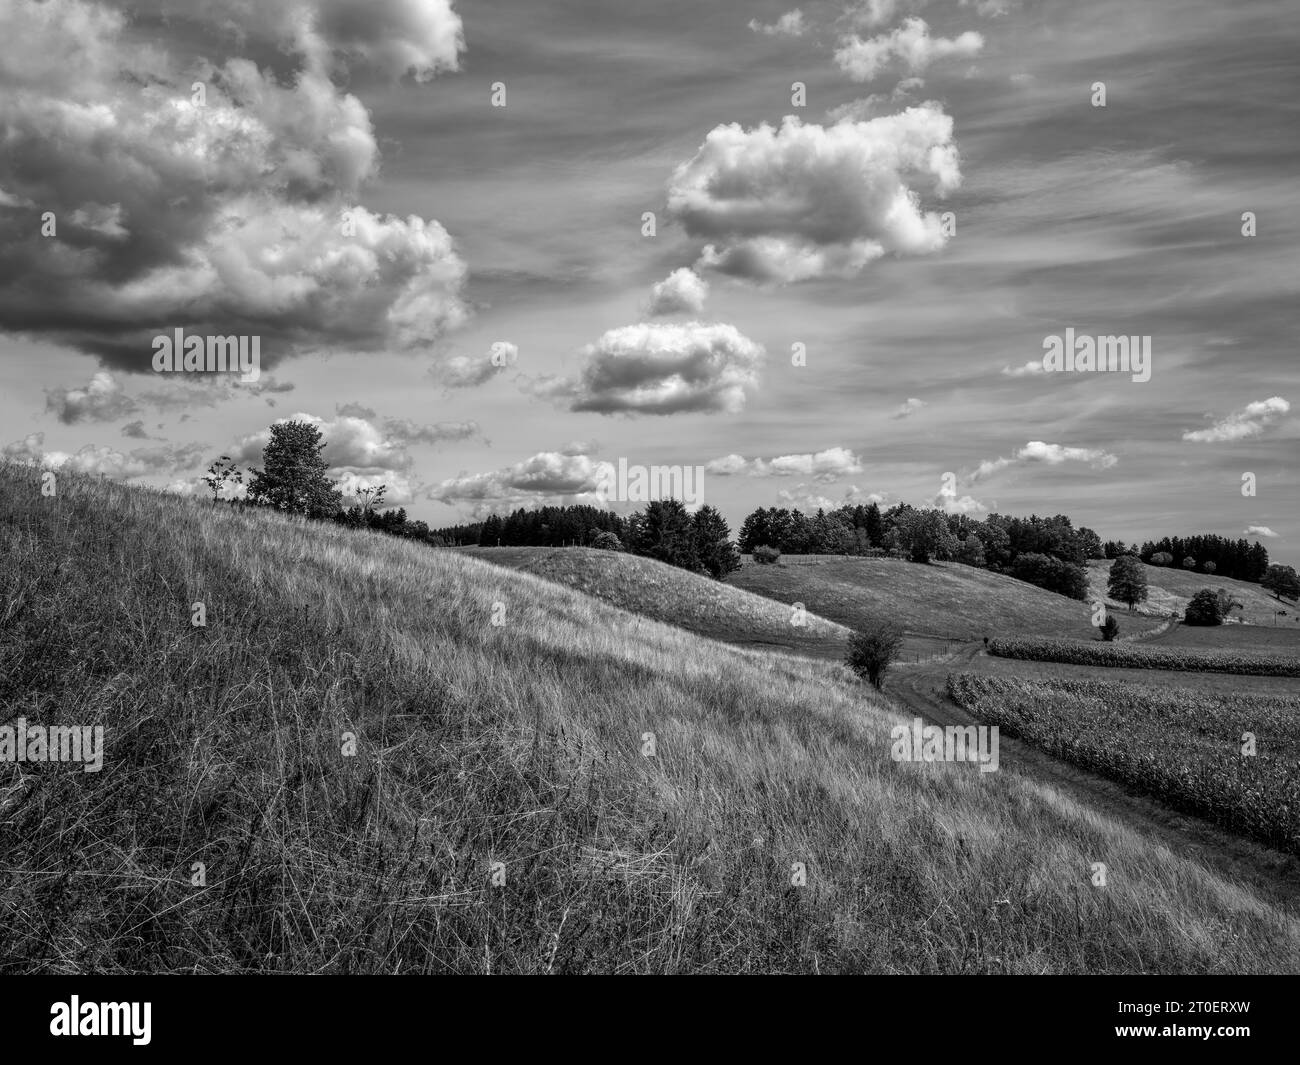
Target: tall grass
[{"x": 520, "y": 743}]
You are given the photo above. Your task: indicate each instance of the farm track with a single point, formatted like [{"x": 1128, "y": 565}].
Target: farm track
[{"x": 1275, "y": 876}]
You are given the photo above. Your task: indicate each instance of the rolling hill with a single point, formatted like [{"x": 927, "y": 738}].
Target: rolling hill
[
  {"x": 379, "y": 757},
  {"x": 1170, "y": 589},
  {"x": 666, "y": 593},
  {"x": 943, "y": 599}
]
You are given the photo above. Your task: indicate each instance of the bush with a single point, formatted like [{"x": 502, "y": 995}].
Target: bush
[
  {"x": 765, "y": 555},
  {"x": 872, "y": 651},
  {"x": 1109, "y": 629},
  {"x": 1204, "y": 609},
  {"x": 1064, "y": 578},
  {"x": 607, "y": 541}
]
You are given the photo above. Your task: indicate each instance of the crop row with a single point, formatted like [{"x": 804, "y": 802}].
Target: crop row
[
  {"x": 1230, "y": 758},
  {"x": 1144, "y": 656}
]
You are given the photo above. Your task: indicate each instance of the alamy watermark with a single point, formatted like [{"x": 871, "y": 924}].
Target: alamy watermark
[
  {"x": 21, "y": 742},
  {"x": 919, "y": 742},
  {"x": 179, "y": 353},
  {"x": 1081, "y": 354},
  {"x": 644, "y": 484}
]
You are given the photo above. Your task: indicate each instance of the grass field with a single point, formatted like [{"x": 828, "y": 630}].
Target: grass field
[
  {"x": 667, "y": 593},
  {"x": 945, "y": 599},
  {"x": 325, "y": 777},
  {"x": 1182, "y": 745},
  {"x": 1170, "y": 589}
]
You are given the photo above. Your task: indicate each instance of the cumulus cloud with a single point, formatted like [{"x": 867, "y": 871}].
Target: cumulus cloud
[
  {"x": 1036, "y": 451},
  {"x": 681, "y": 292},
  {"x": 1242, "y": 424},
  {"x": 951, "y": 503},
  {"x": 791, "y": 24},
  {"x": 546, "y": 478},
  {"x": 910, "y": 44},
  {"x": 805, "y": 201},
  {"x": 467, "y": 371},
  {"x": 1259, "y": 530},
  {"x": 821, "y": 466},
  {"x": 362, "y": 451},
  {"x": 422, "y": 38},
  {"x": 98, "y": 459},
  {"x": 661, "y": 368},
  {"x": 103, "y": 400},
  {"x": 233, "y": 214},
  {"x": 908, "y": 408}
]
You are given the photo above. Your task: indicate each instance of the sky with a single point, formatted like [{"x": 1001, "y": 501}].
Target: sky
[{"x": 493, "y": 247}]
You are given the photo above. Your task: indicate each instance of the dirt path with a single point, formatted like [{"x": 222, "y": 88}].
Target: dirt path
[{"x": 922, "y": 689}]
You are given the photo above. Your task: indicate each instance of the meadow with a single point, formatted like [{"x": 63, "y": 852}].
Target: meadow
[{"x": 380, "y": 757}]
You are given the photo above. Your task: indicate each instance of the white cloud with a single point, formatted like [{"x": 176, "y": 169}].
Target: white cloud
[
  {"x": 102, "y": 400},
  {"x": 98, "y": 459},
  {"x": 910, "y": 43},
  {"x": 467, "y": 371},
  {"x": 909, "y": 408},
  {"x": 791, "y": 24},
  {"x": 804, "y": 201},
  {"x": 546, "y": 478},
  {"x": 1036, "y": 451},
  {"x": 1250, "y": 421},
  {"x": 681, "y": 292},
  {"x": 220, "y": 216},
  {"x": 822, "y": 466},
  {"x": 1259, "y": 530},
  {"x": 1027, "y": 370},
  {"x": 661, "y": 368}
]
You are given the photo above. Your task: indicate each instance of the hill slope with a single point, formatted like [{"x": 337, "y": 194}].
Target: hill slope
[
  {"x": 666, "y": 593},
  {"x": 945, "y": 599},
  {"x": 324, "y": 777},
  {"x": 1171, "y": 588}
]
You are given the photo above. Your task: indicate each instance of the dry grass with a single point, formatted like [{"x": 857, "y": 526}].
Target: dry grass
[{"x": 521, "y": 744}]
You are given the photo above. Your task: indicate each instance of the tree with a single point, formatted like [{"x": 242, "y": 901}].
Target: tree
[
  {"x": 1109, "y": 628},
  {"x": 766, "y": 556},
  {"x": 1281, "y": 581},
  {"x": 1128, "y": 581},
  {"x": 294, "y": 476},
  {"x": 716, "y": 553},
  {"x": 220, "y": 473},
  {"x": 607, "y": 541},
  {"x": 923, "y": 534},
  {"x": 872, "y": 651},
  {"x": 1227, "y": 604},
  {"x": 1209, "y": 567},
  {"x": 875, "y": 526},
  {"x": 371, "y": 498},
  {"x": 1189, "y": 562},
  {"x": 1203, "y": 609},
  {"x": 1162, "y": 558},
  {"x": 1091, "y": 544},
  {"x": 972, "y": 551}
]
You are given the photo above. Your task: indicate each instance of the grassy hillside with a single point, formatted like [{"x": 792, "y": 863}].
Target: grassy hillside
[
  {"x": 518, "y": 743},
  {"x": 1171, "y": 588},
  {"x": 946, "y": 599},
  {"x": 667, "y": 593}
]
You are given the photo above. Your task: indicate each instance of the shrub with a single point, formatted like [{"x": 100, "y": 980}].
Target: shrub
[
  {"x": 872, "y": 651},
  {"x": 607, "y": 541},
  {"x": 766, "y": 555},
  {"x": 1204, "y": 609},
  {"x": 1109, "y": 629}
]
